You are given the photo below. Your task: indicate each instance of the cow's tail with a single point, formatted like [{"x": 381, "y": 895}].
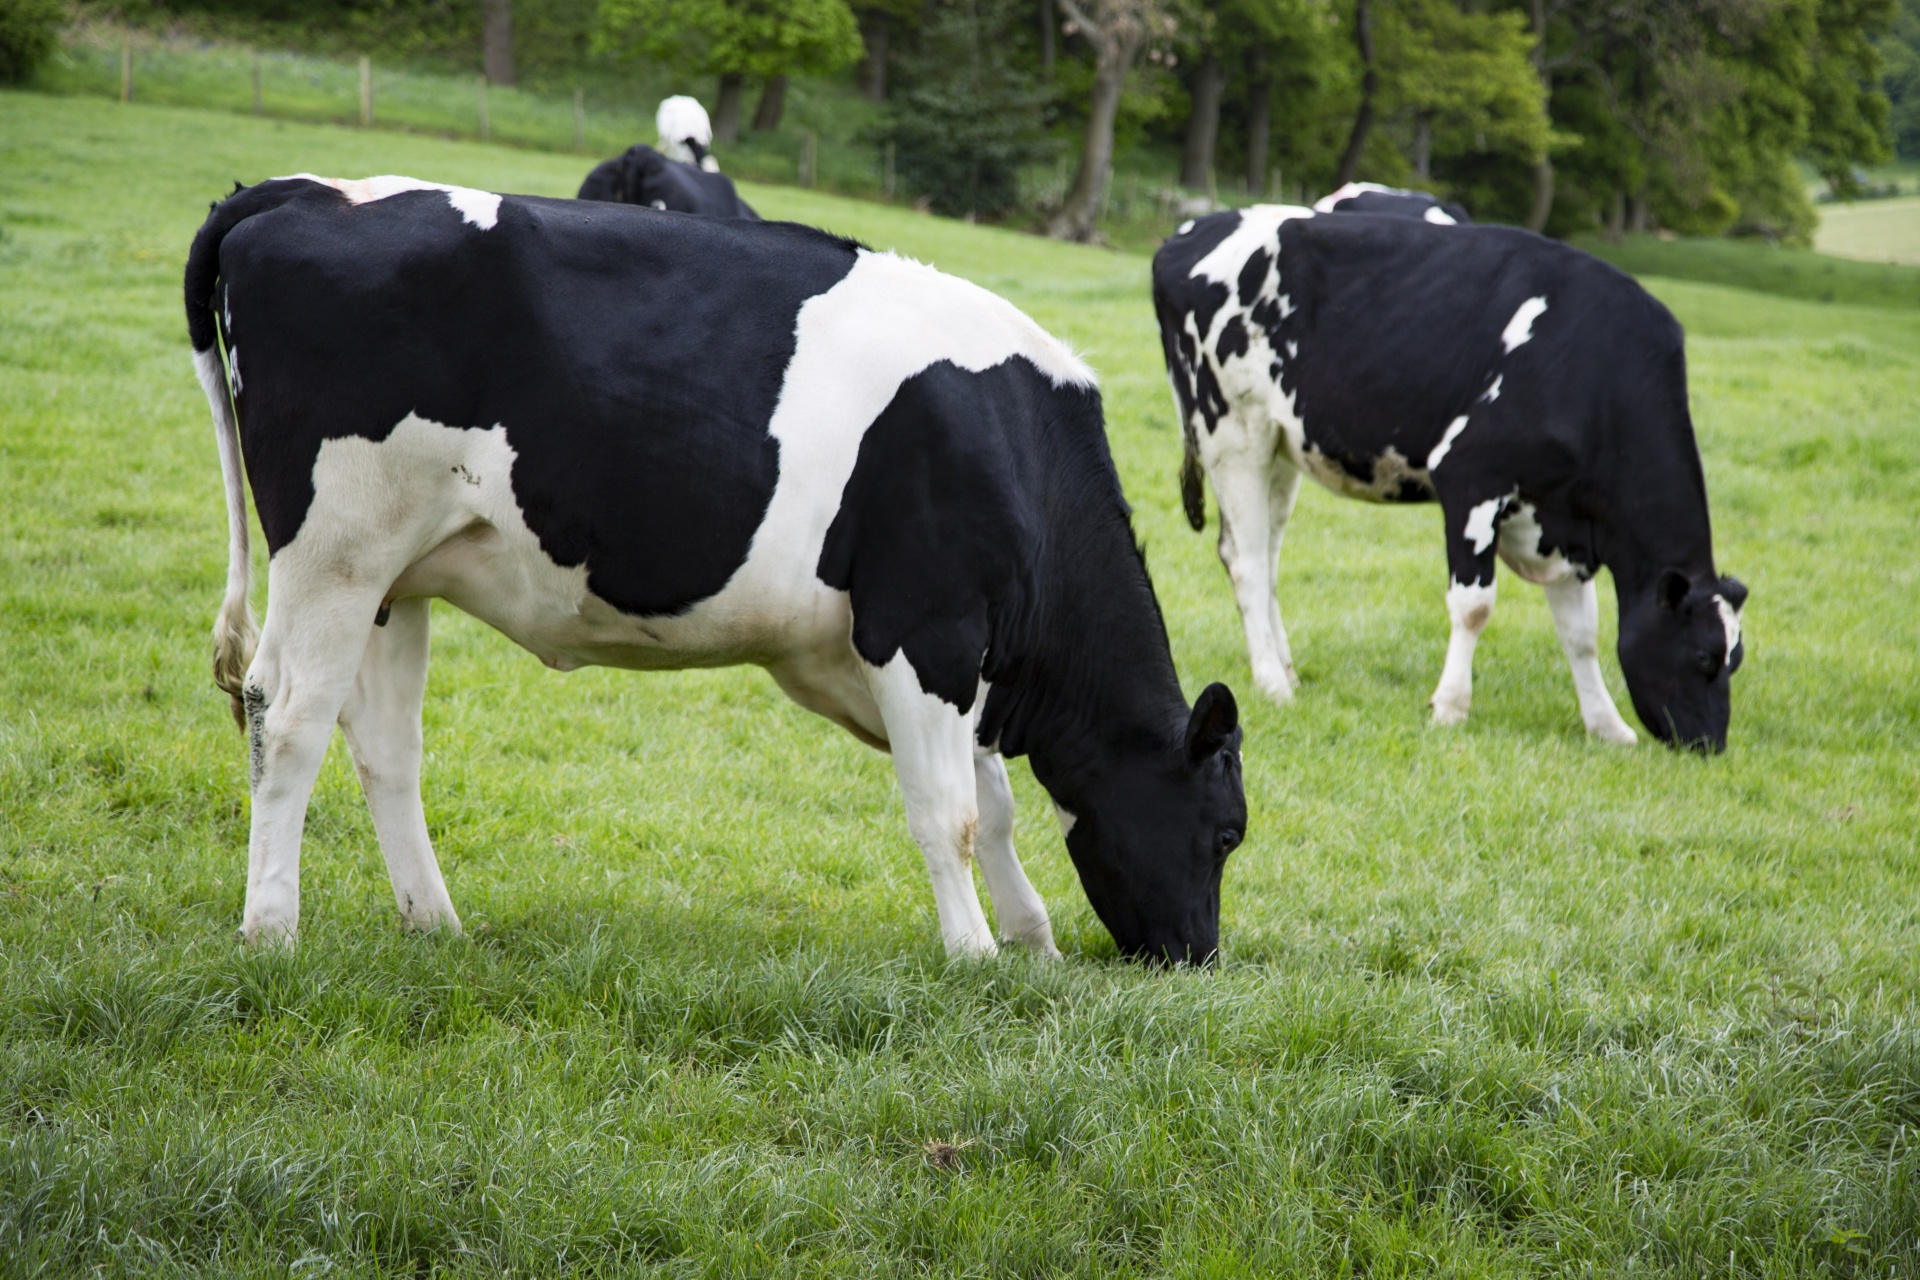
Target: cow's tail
[
  {"x": 235, "y": 635},
  {"x": 1193, "y": 481}
]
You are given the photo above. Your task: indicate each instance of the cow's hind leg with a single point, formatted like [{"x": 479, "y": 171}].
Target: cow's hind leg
[
  {"x": 381, "y": 720},
  {"x": 310, "y": 653},
  {"x": 932, "y": 744},
  {"x": 1576, "y": 616},
  {"x": 1254, "y": 505},
  {"x": 1472, "y": 532},
  {"x": 1022, "y": 914}
]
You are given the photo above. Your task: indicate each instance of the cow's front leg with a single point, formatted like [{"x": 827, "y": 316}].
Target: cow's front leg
[
  {"x": 1022, "y": 914},
  {"x": 1472, "y": 532},
  {"x": 1576, "y": 616},
  {"x": 381, "y": 721},
  {"x": 932, "y": 744},
  {"x": 1246, "y": 488},
  {"x": 310, "y": 651}
]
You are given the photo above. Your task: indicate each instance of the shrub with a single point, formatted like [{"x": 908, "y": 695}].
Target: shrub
[{"x": 29, "y": 29}]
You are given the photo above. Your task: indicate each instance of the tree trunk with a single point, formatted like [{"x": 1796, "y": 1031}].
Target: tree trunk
[
  {"x": 875, "y": 26},
  {"x": 1259, "y": 119},
  {"x": 1543, "y": 166},
  {"x": 773, "y": 101},
  {"x": 1617, "y": 218},
  {"x": 726, "y": 107},
  {"x": 1637, "y": 212},
  {"x": 1423, "y": 145},
  {"x": 1369, "y": 82},
  {"x": 1203, "y": 122},
  {"x": 1114, "y": 56},
  {"x": 496, "y": 41},
  {"x": 1047, "y": 25}
]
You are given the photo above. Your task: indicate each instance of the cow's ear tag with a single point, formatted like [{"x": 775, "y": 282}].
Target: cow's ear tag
[
  {"x": 1215, "y": 718},
  {"x": 1671, "y": 590}
]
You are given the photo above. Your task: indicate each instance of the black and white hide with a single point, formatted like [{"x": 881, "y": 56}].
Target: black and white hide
[
  {"x": 1534, "y": 392},
  {"x": 640, "y": 175},
  {"x": 635, "y": 439},
  {"x": 1397, "y": 202}
]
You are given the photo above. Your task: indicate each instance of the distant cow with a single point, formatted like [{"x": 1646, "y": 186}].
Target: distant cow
[
  {"x": 1370, "y": 197},
  {"x": 634, "y": 439},
  {"x": 1536, "y": 393},
  {"x": 682, "y": 175}
]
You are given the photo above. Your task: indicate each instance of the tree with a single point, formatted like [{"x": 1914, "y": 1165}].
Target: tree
[
  {"x": 1116, "y": 31},
  {"x": 1900, "y": 78},
  {"x": 496, "y": 41},
  {"x": 1465, "y": 81},
  {"x": 966, "y": 118},
  {"x": 29, "y": 33},
  {"x": 732, "y": 39}
]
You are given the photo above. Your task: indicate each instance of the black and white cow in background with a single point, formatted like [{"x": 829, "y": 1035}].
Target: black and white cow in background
[
  {"x": 636, "y": 439},
  {"x": 682, "y": 175},
  {"x": 1371, "y": 197},
  {"x": 1536, "y": 393}
]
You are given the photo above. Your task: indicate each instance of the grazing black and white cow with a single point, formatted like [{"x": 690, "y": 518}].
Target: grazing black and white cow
[
  {"x": 682, "y": 175},
  {"x": 1371, "y": 197},
  {"x": 640, "y": 175},
  {"x": 635, "y": 439},
  {"x": 1537, "y": 394}
]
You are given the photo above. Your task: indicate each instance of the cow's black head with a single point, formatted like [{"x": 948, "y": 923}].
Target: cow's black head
[
  {"x": 1679, "y": 647},
  {"x": 1151, "y": 829}
]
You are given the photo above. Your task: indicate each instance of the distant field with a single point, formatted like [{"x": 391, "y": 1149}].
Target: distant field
[
  {"x": 1872, "y": 230},
  {"x": 1495, "y": 1002},
  {"x": 1764, "y": 268}
]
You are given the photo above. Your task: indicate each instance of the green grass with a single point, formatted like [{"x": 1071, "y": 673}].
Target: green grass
[
  {"x": 1872, "y": 230},
  {"x": 1494, "y": 1002},
  {"x": 1763, "y": 268}
]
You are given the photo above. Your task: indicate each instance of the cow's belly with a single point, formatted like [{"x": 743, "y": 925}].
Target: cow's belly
[{"x": 437, "y": 502}]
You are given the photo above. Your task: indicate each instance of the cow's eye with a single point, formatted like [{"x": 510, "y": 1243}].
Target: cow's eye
[
  {"x": 1708, "y": 663},
  {"x": 1228, "y": 841}
]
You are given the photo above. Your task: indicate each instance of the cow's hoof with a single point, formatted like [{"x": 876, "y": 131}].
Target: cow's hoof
[
  {"x": 1279, "y": 693},
  {"x": 1616, "y": 733},
  {"x": 268, "y": 934},
  {"x": 1449, "y": 713},
  {"x": 973, "y": 947}
]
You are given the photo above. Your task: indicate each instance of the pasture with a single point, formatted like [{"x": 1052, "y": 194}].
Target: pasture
[{"x": 1494, "y": 1001}]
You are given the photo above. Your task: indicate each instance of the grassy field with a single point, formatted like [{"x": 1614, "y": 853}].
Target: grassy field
[
  {"x": 1883, "y": 279},
  {"x": 1494, "y": 1002},
  {"x": 1872, "y": 230}
]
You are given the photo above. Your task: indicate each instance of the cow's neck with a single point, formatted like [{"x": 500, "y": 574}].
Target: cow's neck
[
  {"x": 1084, "y": 671},
  {"x": 1667, "y": 528}
]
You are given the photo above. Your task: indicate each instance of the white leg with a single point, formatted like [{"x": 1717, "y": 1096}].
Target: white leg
[
  {"x": 310, "y": 652},
  {"x": 381, "y": 721},
  {"x": 1022, "y": 914},
  {"x": 1283, "y": 489},
  {"x": 1242, "y": 483},
  {"x": 932, "y": 743},
  {"x": 1469, "y": 607},
  {"x": 1576, "y": 616}
]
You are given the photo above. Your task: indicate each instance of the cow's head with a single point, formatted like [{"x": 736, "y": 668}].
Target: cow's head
[
  {"x": 1151, "y": 829},
  {"x": 1679, "y": 647}
]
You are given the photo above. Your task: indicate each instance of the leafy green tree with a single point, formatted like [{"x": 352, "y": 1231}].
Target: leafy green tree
[
  {"x": 732, "y": 39},
  {"x": 969, "y": 117},
  {"x": 29, "y": 29},
  {"x": 1463, "y": 82},
  {"x": 1900, "y": 79}
]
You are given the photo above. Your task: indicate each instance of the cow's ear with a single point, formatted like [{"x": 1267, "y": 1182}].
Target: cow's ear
[
  {"x": 1671, "y": 590},
  {"x": 1734, "y": 592},
  {"x": 1215, "y": 718}
]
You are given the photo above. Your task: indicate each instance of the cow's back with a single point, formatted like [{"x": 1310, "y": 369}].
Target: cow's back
[{"x": 625, "y": 351}]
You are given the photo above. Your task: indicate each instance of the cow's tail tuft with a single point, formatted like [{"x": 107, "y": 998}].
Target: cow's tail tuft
[
  {"x": 235, "y": 635},
  {"x": 1193, "y": 484}
]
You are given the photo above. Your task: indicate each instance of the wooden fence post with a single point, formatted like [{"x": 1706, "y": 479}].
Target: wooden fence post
[
  {"x": 126, "y": 67},
  {"x": 486, "y": 125},
  {"x": 259, "y": 104},
  {"x": 579, "y": 118},
  {"x": 366, "y": 91}
]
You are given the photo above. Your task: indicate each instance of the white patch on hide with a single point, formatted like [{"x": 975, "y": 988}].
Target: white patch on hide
[
  {"x": 481, "y": 208},
  {"x": 1520, "y": 328},
  {"x": 1185, "y": 227},
  {"x": 1439, "y": 453},
  {"x": 1492, "y": 393},
  {"x": 1439, "y": 217},
  {"x": 1520, "y": 539},
  {"x": 1730, "y": 620},
  {"x": 1067, "y": 819},
  {"x": 1326, "y": 203},
  {"x": 1293, "y": 349},
  {"x": 233, "y": 368},
  {"x": 1479, "y": 529}
]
